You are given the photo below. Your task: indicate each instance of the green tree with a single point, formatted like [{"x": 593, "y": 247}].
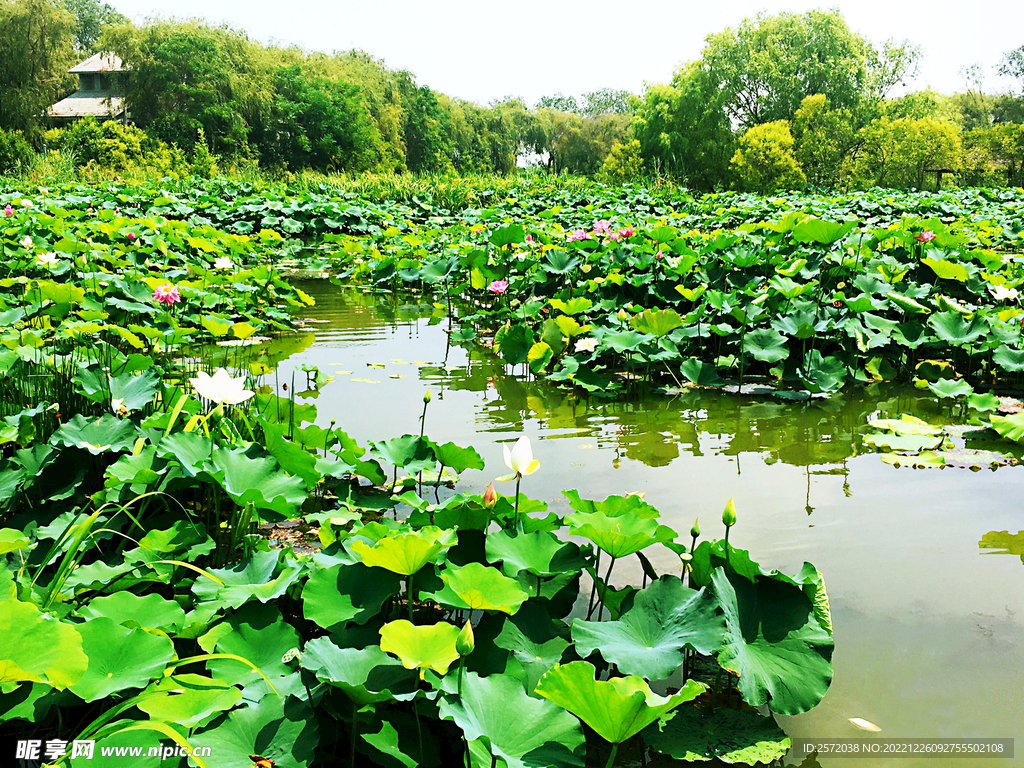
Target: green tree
[
  {"x": 36, "y": 51},
  {"x": 900, "y": 152},
  {"x": 624, "y": 163},
  {"x": 1012, "y": 65},
  {"x": 768, "y": 65},
  {"x": 91, "y": 16},
  {"x": 824, "y": 138},
  {"x": 427, "y": 144},
  {"x": 765, "y": 160}
]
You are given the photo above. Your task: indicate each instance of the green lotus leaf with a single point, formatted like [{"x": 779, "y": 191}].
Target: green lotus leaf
[
  {"x": 292, "y": 457},
  {"x": 514, "y": 342},
  {"x": 409, "y": 452},
  {"x": 1004, "y": 542},
  {"x": 710, "y": 555},
  {"x": 908, "y": 443},
  {"x": 457, "y": 458},
  {"x": 573, "y": 306},
  {"x": 1011, "y": 360},
  {"x": 480, "y": 588},
  {"x": 540, "y": 553},
  {"x": 96, "y": 435},
  {"x": 391, "y": 740},
  {"x": 657, "y": 322},
  {"x": 983, "y": 402},
  {"x": 619, "y": 536},
  {"x": 421, "y": 647},
  {"x": 701, "y": 373},
  {"x": 906, "y": 304},
  {"x": 559, "y": 263},
  {"x": 344, "y": 593},
  {"x": 495, "y": 709},
  {"x": 405, "y": 553},
  {"x": 255, "y": 577},
  {"x": 947, "y": 269},
  {"x": 632, "y": 505},
  {"x": 258, "y": 480},
  {"x": 954, "y": 329},
  {"x": 906, "y": 425},
  {"x": 766, "y": 345},
  {"x": 136, "y": 391},
  {"x": 616, "y": 709},
  {"x": 36, "y": 648},
  {"x": 280, "y": 729},
  {"x": 648, "y": 640},
  {"x": 12, "y": 540},
  {"x": 510, "y": 233},
  {"x": 717, "y": 733},
  {"x": 119, "y": 658},
  {"x": 533, "y": 644},
  {"x": 951, "y": 388},
  {"x": 189, "y": 699},
  {"x": 260, "y": 635},
  {"x": 923, "y": 460},
  {"x": 367, "y": 675},
  {"x": 823, "y": 374},
  {"x": 1011, "y": 427},
  {"x": 624, "y": 341},
  {"x": 813, "y": 230},
  {"x": 780, "y": 651},
  {"x": 133, "y": 611}
]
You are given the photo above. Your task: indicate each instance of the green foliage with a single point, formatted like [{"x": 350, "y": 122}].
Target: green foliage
[
  {"x": 900, "y": 152},
  {"x": 623, "y": 163},
  {"x": 765, "y": 160},
  {"x": 15, "y": 153}
]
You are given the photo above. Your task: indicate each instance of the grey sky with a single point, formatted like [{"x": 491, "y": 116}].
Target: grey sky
[{"x": 486, "y": 50}]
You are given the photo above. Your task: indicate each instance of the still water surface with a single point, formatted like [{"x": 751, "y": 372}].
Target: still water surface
[{"x": 929, "y": 627}]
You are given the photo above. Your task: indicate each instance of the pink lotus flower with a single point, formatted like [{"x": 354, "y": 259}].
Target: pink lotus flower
[
  {"x": 659, "y": 255},
  {"x": 579, "y": 234},
  {"x": 615, "y": 236},
  {"x": 117, "y": 211},
  {"x": 529, "y": 239},
  {"x": 8, "y": 211},
  {"x": 167, "y": 294},
  {"x": 925, "y": 237},
  {"x": 626, "y": 232},
  {"x": 601, "y": 226},
  {"x": 131, "y": 235},
  {"x": 498, "y": 287}
]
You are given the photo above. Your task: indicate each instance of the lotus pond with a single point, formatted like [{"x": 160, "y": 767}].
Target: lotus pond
[{"x": 251, "y": 512}]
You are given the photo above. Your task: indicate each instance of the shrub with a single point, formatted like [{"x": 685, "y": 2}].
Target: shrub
[
  {"x": 15, "y": 152},
  {"x": 765, "y": 160}
]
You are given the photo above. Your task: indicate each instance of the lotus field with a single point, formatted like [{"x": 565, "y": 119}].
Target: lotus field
[{"x": 147, "y": 435}]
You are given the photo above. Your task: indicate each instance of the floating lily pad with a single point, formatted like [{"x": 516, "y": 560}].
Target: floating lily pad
[
  {"x": 730, "y": 735},
  {"x": 970, "y": 458}
]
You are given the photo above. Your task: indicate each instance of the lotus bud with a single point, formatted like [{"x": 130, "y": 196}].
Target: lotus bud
[
  {"x": 729, "y": 514},
  {"x": 426, "y": 397},
  {"x": 490, "y": 496},
  {"x": 622, "y": 314},
  {"x": 695, "y": 529},
  {"x": 465, "y": 642}
]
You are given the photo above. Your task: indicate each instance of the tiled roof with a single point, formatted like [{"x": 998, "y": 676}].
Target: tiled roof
[
  {"x": 100, "y": 62},
  {"x": 88, "y": 106}
]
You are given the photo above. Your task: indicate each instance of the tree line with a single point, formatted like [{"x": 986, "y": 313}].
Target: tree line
[{"x": 781, "y": 101}]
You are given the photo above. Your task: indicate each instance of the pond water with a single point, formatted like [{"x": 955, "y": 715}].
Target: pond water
[{"x": 929, "y": 626}]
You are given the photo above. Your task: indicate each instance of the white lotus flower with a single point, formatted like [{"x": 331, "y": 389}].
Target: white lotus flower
[
  {"x": 1002, "y": 293},
  {"x": 586, "y": 345},
  {"x": 222, "y": 262},
  {"x": 520, "y": 459},
  {"x": 117, "y": 406},
  {"x": 26, "y": 242},
  {"x": 221, "y": 388},
  {"x": 47, "y": 259}
]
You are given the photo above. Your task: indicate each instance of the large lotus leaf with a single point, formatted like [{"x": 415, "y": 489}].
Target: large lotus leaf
[
  {"x": 710, "y": 555},
  {"x": 624, "y": 341},
  {"x": 11, "y": 540},
  {"x": 136, "y": 391},
  {"x": 96, "y": 435},
  {"x": 496, "y": 708},
  {"x": 1011, "y": 427},
  {"x": 703, "y": 374},
  {"x": 909, "y": 443},
  {"x": 119, "y": 658},
  {"x": 709, "y": 733},
  {"x": 823, "y": 374},
  {"x": 480, "y": 588},
  {"x": 530, "y": 639},
  {"x": 37, "y": 648},
  {"x": 256, "y": 576},
  {"x": 616, "y": 709},
  {"x": 619, "y": 536},
  {"x": 780, "y": 651},
  {"x": 190, "y": 449},
  {"x": 514, "y": 343},
  {"x": 559, "y": 262},
  {"x": 132, "y": 611},
  {"x": 32, "y": 702},
  {"x": 344, "y": 593},
  {"x": 424, "y": 647},
  {"x": 188, "y": 699},
  {"x": 813, "y": 230},
  {"x": 259, "y": 480},
  {"x": 1011, "y": 360},
  {"x": 766, "y": 345},
  {"x": 540, "y": 553},
  {"x": 572, "y": 306},
  {"x": 648, "y": 640},
  {"x": 367, "y": 675},
  {"x": 952, "y": 328},
  {"x": 405, "y": 553},
  {"x": 292, "y": 456},
  {"x": 280, "y": 729},
  {"x": 410, "y": 452},
  {"x": 632, "y": 505},
  {"x": 508, "y": 234},
  {"x": 657, "y": 322},
  {"x": 951, "y": 388},
  {"x": 947, "y": 269},
  {"x": 906, "y": 425},
  {"x": 458, "y": 458},
  {"x": 258, "y": 634},
  {"x": 391, "y": 740}
]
